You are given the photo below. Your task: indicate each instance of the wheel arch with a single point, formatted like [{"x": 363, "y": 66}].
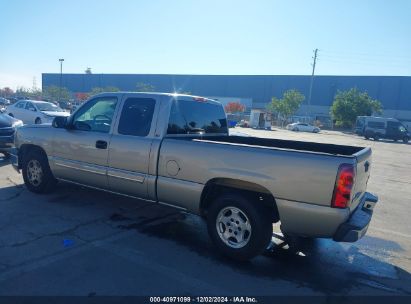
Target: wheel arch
[
  {"x": 25, "y": 149},
  {"x": 218, "y": 186}
]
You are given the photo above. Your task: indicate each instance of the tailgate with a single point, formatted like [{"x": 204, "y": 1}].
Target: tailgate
[{"x": 361, "y": 177}]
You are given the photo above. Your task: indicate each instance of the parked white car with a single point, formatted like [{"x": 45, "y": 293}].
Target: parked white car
[
  {"x": 299, "y": 126},
  {"x": 35, "y": 112}
]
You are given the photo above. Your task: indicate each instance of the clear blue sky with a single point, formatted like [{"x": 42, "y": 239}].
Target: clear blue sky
[{"x": 354, "y": 37}]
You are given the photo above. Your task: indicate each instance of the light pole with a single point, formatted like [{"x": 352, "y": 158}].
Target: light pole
[
  {"x": 61, "y": 76},
  {"x": 311, "y": 86}
]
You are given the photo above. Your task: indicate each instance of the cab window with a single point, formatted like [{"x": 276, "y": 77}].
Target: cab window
[
  {"x": 96, "y": 115},
  {"x": 136, "y": 116}
]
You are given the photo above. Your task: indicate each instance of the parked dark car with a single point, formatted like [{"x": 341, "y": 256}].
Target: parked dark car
[
  {"x": 8, "y": 126},
  {"x": 4, "y": 102},
  {"x": 65, "y": 105},
  {"x": 381, "y": 127}
]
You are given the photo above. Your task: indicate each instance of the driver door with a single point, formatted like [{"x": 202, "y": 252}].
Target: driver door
[{"x": 80, "y": 152}]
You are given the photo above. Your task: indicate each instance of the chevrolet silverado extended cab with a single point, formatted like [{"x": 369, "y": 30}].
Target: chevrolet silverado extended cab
[{"x": 175, "y": 150}]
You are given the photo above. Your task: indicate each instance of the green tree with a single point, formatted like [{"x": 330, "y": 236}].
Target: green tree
[
  {"x": 144, "y": 87},
  {"x": 53, "y": 93},
  {"x": 349, "y": 104},
  {"x": 287, "y": 105},
  {"x": 98, "y": 90},
  {"x": 35, "y": 93}
]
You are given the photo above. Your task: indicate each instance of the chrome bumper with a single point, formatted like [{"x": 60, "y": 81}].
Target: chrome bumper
[{"x": 356, "y": 226}]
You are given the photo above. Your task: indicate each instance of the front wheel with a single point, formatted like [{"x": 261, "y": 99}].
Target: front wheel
[
  {"x": 238, "y": 226},
  {"x": 36, "y": 172},
  {"x": 37, "y": 121},
  {"x": 376, "y": 137}
]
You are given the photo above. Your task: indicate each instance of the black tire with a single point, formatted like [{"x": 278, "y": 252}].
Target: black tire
[
  {"x": 45, "y": 180},
  {"x": 11, "y": 114},
  {"x": 296, "y": 130},
  {"x": 257, "y": 216},
  {"x": 366, "y": 136},
  {"x": 37, "y": 121},
  {"x": 376, "y": 137},
  {"x": 405, "y": 139}
]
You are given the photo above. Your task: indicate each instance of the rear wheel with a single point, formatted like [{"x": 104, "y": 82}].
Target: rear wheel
[
  {"x": 405, "y": 139},
  {"x": 36, "y": 172},
  {"x": 239, "y": 227}
]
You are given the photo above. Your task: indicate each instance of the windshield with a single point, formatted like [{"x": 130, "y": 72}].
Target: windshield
[{"x": 48, "y": 107}]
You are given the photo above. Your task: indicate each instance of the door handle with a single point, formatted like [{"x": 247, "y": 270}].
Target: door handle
[{"x": 101, "y": 144}]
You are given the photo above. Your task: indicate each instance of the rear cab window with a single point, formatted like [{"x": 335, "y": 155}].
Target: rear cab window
[{"x": 197, "y": 116}]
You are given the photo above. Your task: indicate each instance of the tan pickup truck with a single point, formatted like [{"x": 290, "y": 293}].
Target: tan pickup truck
[{"x": 176, "y": 150}]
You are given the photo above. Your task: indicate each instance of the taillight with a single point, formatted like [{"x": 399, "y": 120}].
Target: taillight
[{"x": 343, "y": 186}]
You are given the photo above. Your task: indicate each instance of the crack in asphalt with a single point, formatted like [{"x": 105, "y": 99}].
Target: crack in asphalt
[{"x": 60, "y": 233}]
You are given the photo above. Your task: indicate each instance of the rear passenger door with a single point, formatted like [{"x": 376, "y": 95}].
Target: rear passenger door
[
  {"x": 130, "y": 145},
  {"x": 29, "y": 113},
  {"x": 17, "y": 110}
]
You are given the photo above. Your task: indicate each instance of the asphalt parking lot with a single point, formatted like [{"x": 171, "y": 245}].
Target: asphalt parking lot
[{"x": 78, "y": 241}]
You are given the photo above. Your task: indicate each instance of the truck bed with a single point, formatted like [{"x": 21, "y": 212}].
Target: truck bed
[
  {"x": 314, "y": 147},
  {"x": 290, "y": 170}
]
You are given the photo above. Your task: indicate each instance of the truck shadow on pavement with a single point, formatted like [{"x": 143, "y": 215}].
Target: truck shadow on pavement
[
  {"x": 320, "y": 266},
  {"x": 323, "y": 265}
]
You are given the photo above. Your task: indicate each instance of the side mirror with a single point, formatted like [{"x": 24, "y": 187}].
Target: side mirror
[{"x": 60, "y": 122}]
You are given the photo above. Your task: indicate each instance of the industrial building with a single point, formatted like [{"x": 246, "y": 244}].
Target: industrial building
[{"x": 255, "y": 91}]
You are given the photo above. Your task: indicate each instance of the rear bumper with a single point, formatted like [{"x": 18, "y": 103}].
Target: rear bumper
[{"x": 356, "y": 226}]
